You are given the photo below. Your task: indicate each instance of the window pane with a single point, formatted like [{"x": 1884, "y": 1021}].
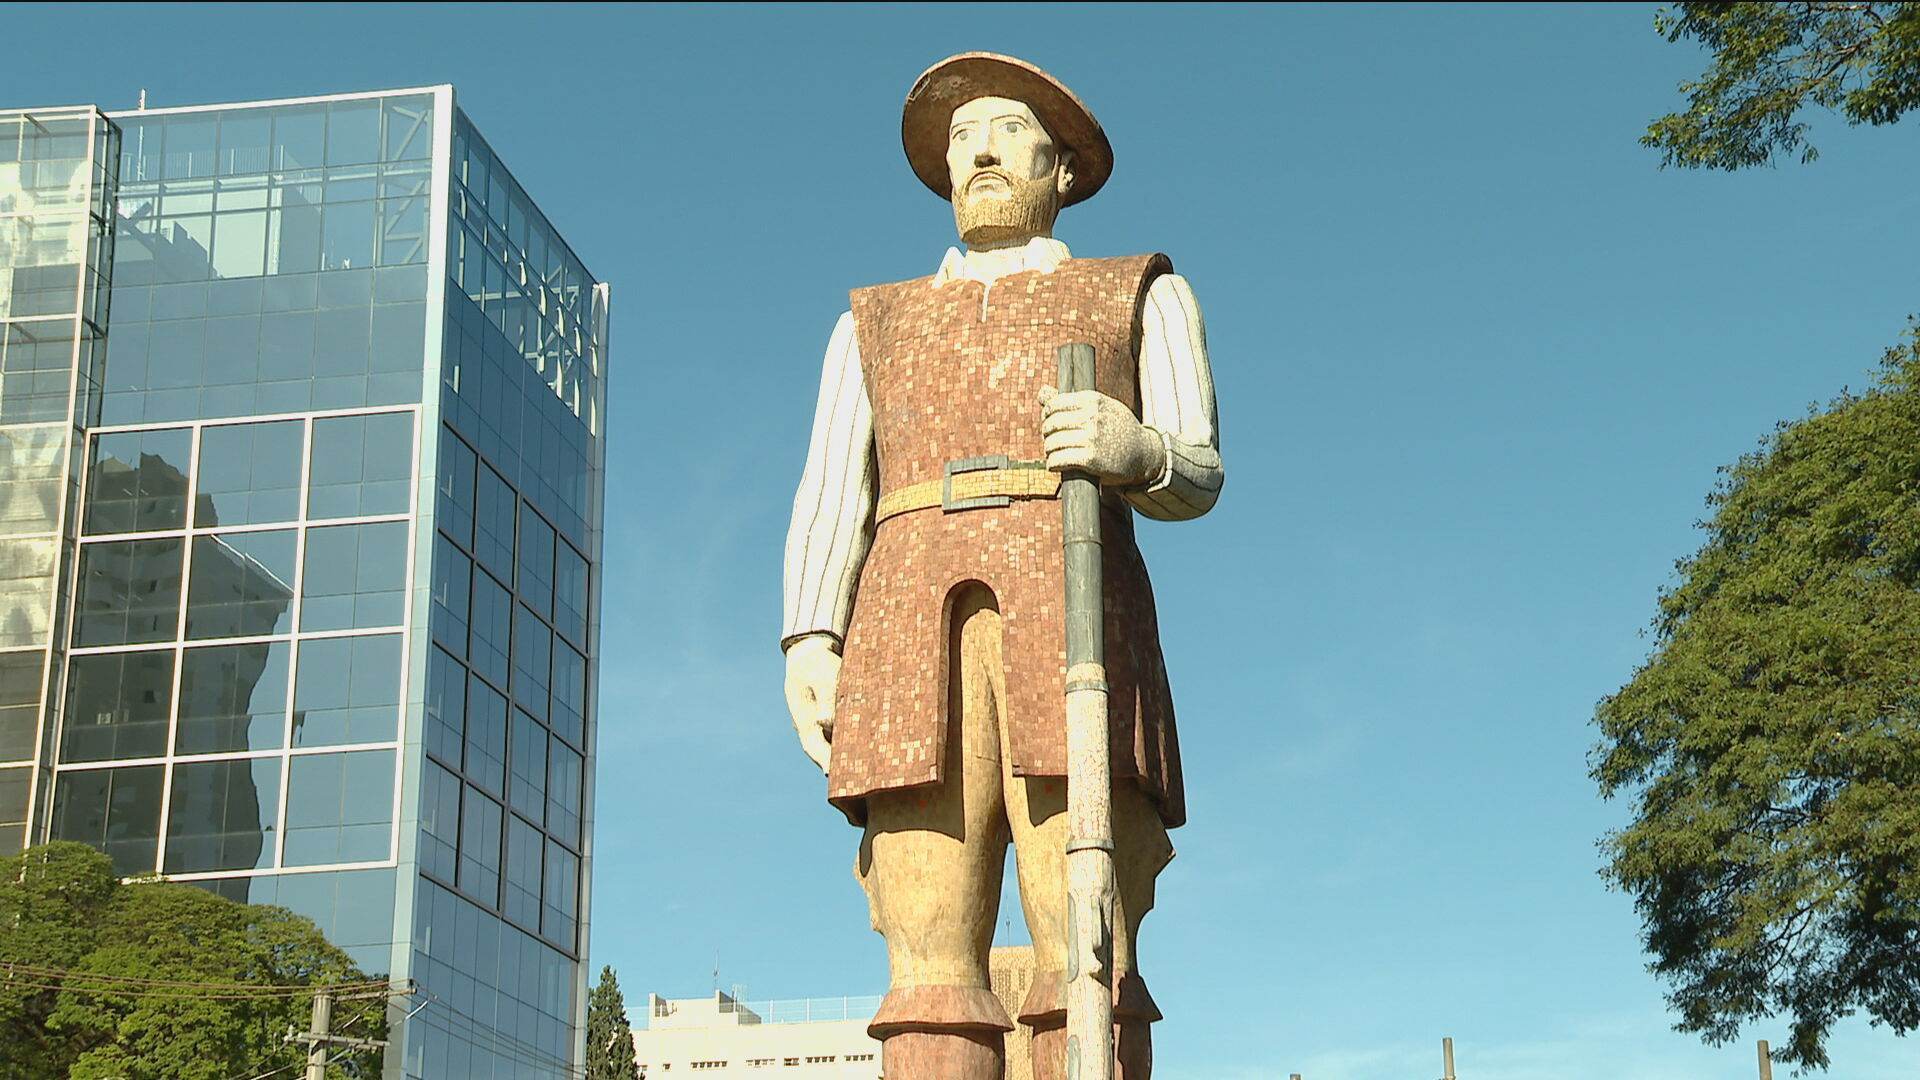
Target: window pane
[
  {"x": 493, "y": 514},
  {"x": 20, "y": 685},
  {"x": 362, "y": 465},
  {"x": 529, "y": 767},
  {"x": 455, "y": 506},
  {"x": 244, "y": 142},
  {"x": 32, "y": 468},
  {"x": 480, "y": 848},
  {"x": 570, "y": 593},
  {"x": 439, "y": 821},
  {"x": 452, "y": 594},
  {"x": 129, "y": 592},
  {"x": 532, "y": 661},
  {"x": 524, "y": 847},
  {"x": 486, "y": 757},
  {"x": 240, "y": 244},
  {"x": 222, "y": 815},
  {"x": 27, "y": 575},
  {"x": 446, "y": 707},
  {"x": 249, "y": 474},
  {"x": 536, "y": 563},
  {"x": 242, "y": 585},
  {"x": 492, "y": 626},
  {"x": 561, "y": 896},
  {"x": 347, "y": 690},
  {"x": 355, "y": 576},
  {"x": 353, "y": 132},
  {"x": 139, "y": 481},
  {"x": 117, "y": 705},
  {"x": 346, "y": 236},
  {"x": 569, "y": 693},
  {"x": 340, "y": 808},
  {"x": 113, "y": 810},
  {"x": 16, "y": 786},
  {"x": 563, "y": 793},
  {"x": 299, "y": 137},
  {"x": 233, "y": 697}
]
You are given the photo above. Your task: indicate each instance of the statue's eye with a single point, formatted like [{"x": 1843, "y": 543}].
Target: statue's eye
[
  {"x": 960, "y": 136},
  {"x": 1012, "y": 127}
]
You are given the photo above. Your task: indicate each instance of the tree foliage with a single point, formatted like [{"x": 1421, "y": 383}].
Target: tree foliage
[
  {"x": 1771, "y": 743},
  {"x": 62, "y": 909},
  {"x": 1770, "y": 61},
  {"x": 610, "y": 1054}
]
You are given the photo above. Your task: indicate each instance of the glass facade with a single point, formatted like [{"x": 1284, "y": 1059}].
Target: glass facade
[{"x": 299, "y": 549}]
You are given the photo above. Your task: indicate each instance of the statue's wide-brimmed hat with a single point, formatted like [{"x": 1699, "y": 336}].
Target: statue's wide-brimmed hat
[{"x": 959, "y": 79}]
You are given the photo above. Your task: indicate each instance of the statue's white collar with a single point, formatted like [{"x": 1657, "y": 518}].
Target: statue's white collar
[{"x": 1042, "y": 253}]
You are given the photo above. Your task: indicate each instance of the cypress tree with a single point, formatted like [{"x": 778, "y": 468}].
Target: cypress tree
[{"x": 610, "y": 1054}]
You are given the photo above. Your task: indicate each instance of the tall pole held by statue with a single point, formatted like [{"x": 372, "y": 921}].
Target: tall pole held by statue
[{"x": 1090, "y": 889}]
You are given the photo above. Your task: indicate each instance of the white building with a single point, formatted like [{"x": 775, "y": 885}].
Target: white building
[{"x": 723, "y": 1039}]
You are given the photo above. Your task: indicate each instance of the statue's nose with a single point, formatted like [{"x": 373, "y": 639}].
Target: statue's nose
[{"x": 984, "y": 158}]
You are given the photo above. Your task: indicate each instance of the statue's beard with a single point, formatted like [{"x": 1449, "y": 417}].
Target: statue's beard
[{"x": 1025, "y": 209}]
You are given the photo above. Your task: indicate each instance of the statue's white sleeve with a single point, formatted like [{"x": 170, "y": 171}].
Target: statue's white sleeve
[
  {"x": 832, "y": 525},
  {"x": 1176, "y": 400}
]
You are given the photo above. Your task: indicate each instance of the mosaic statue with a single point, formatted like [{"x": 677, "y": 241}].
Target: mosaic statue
[{"x": 924, "y": 615}]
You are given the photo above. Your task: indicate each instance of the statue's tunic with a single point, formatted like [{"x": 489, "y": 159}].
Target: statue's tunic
[{"x": 955, "y": 371}]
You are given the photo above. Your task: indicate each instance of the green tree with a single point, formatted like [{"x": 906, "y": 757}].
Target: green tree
[
  {"x": 150, "y": 980},
  {"x": 1770, "y": 61},
  {"x": 1771, "y": 742},
  {"x": 610, "y": 1053}
]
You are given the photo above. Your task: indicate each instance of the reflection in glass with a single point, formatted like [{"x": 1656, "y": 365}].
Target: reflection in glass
[
  {"x": 222, "y": 815},
  {"x": 536, "y": 563},
  {"x": 452, "y": 589},
  {"x": 563, "y": 794},
  {"x": 129, "y": 592},
  {"x": 570, "y": 594},
  {"x": 138, "y": 481},
  {"x": 249, "y": 474},
  {"x": 362, "y": 465},
  {"x": 480, "y": 848},
  {"x": 439, "y": 821},
  {"x": 26, "y": 589},
  {"x": 242, "y": 585},
  {"x": 16, "y": 785},
  {"x": 569, "y": 693},
  {"x": 446, "y": 707},
  {"x": 117, "y": 705},
  {"x": 494, "y": 504},
  {"x": 528, "y": 784},
  {"x": 113, "y": 810},
  {"x": 347, "y": 690},
  {"x": 561, "y": 897},
  {"x": 486, "y": 757},
  {"x": 492, "y": 617},
  {"x": 532, "y": 661},
  {"x": 339, "y": 808},
  {"x": 233, "y": 697},
  {"x": 32, "y": 465},
  {"x": 355, "y": 576},
  {"x": 524, "y": 846}
]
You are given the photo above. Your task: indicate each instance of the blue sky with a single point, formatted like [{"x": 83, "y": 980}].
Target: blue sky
[{"x": 1478, "y": 360}]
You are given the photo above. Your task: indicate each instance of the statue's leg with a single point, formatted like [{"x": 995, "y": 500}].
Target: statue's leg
[
  {"x": 1036, "y": 809},
  {"x": 931, "y": 862}
]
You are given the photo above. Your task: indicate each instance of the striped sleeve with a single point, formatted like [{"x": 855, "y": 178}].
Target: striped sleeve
[
  {"x": 832, "y": 525},
  {"x": 1176, "y": 401}
]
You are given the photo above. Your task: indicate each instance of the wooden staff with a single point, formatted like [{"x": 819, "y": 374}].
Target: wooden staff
[{"x": 1089, "y": 768}]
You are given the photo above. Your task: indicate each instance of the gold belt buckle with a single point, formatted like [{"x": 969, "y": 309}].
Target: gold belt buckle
[{"x": 989, "y": 462}]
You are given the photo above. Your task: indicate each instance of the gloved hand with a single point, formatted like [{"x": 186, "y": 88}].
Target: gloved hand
[
  {"x": 1087, "y": 430},
  {"x": 813, "y": 673}
]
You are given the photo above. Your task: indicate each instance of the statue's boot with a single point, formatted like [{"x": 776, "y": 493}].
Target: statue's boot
[
  {"x": 941, "y": 1033},
  {"x": 1045, "y": 1012}
]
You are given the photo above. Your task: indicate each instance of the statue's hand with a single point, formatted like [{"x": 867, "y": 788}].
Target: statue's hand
[
  {"x": 813, "y": 671},
  {"x": 1087, "y": 430}
]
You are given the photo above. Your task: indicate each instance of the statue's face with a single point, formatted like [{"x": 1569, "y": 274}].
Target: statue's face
[{"x": 1008, "y": 178}]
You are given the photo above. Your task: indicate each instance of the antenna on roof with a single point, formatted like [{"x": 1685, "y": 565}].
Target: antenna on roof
[{"x": 143, "y": 99}]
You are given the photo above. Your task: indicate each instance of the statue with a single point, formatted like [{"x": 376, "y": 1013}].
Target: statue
[{"x": 923, "y": 629}]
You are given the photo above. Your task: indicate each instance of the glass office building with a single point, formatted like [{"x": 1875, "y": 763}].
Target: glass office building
[{"x": 300, "y": 506}]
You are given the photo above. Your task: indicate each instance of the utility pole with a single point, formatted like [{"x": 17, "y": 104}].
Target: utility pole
[
  {"x": 1766, "y": 1062},
  {"x": 320, "y": 1037},
  {"x": 1446, "y": 1055}
]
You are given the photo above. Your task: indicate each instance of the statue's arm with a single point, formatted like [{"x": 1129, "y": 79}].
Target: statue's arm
[
  {"x": 1177, "y": 404},
  {"x": 832, "y": 525}
]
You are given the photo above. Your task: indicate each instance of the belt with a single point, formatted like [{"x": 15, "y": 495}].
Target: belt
[{"x": 972, "y": 484}]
